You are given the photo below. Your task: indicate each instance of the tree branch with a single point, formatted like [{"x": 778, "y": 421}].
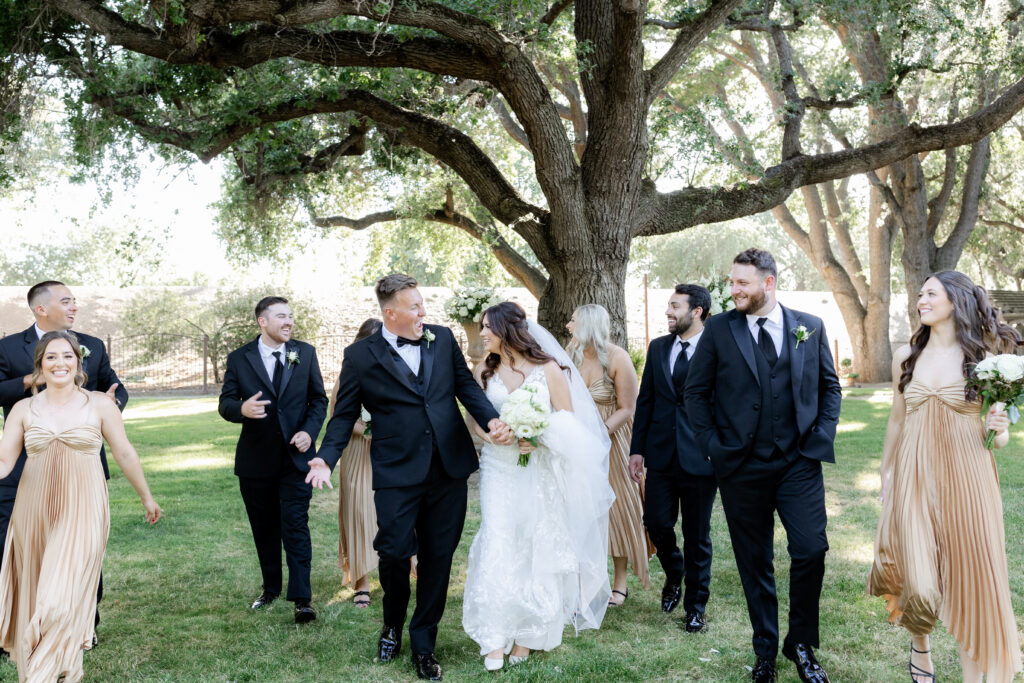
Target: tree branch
[
  {"x": 794, "y": 113},
  {"x": 514, "y": 130},
  {"x": 1003, "y": 224},
  {"x": 513, "y": 262},
  {"x": 690, "y": 36},
  {"x": 554, "y": 11}
]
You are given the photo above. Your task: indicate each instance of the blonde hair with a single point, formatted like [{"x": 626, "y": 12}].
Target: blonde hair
[
  {"x": 44, "y": 341},
  {"x": 593, "y": 327}
]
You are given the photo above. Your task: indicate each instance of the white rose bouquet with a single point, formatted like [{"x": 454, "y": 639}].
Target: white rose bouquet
[
  {"x": 721, "y": 292},
  {"x": 527, "y": 412},
  {"x": 468, "y": 304},
  {"x": 1000, "y": 382}
]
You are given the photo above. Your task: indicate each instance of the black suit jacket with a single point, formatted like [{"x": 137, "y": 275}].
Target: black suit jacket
[
  {"x": 723, "y": 399},
  {"x": 661, "y": 427},
  {"x": 301, "y": 407},
  {"x": 17, "y": 355},
  {"x": 406, "y": 423}
]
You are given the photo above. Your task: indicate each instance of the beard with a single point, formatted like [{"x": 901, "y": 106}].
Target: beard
[
  {"x": 681, "y": 325},
  {"x": 753, "y": 303}
]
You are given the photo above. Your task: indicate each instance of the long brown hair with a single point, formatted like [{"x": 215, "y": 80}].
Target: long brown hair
[
  {"x": 508, "y": 322},
  {"x": 977, "y": 326},
  {"x": 44, "y": 341}
]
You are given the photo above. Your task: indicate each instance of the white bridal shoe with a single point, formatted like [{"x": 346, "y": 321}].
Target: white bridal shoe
[{"x": 494, "y": 664}]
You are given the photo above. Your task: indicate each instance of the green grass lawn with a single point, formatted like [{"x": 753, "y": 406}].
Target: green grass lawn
[{"x": 177, "y": 594}]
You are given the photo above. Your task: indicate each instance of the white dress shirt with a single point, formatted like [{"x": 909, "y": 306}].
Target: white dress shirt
[
  {"x": 39, "y": 332},
  {"x": 677, "y": 346},
  {"x": 774, "y": 327},
  {"x": 410, "y": 353},
  {"x": 267, "y": 354}
]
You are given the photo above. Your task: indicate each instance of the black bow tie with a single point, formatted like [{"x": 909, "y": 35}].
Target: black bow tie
[{"x": 402, "y": 341}]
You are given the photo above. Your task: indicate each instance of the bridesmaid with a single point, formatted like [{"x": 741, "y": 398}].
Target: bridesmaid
[
  {"x": 940, "y": 552},
  {"x": 357, "y": 519},
  {"x": 609, "y": 373},
  {"x": 61, "y": 519}
]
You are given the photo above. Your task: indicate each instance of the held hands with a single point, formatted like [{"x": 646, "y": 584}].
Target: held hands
[
  {"x": 319, "y": 474},
  {"x": 302, "y": 441},
  {"x": 255, "y": 409},
  {"x": 153, "y": 511},
  {"x": 997, "y": 420},
  {"x": 636, "y": 467},
  {"x": 501, "y": 433}
]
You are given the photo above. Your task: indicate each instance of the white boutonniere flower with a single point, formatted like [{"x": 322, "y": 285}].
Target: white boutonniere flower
[
  {"x": 293, "y": 358},
  {"x": 802, "y": 334},
  {"x": 84, "y": 351},
  {"x": 429, "y": 336}
]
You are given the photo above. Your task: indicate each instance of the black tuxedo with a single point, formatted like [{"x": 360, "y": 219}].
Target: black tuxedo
[
  {"x": 17, "y": 356},
  {"x": 679, "y": 477},
  {"x": 766, "y": 430},
  {"x": 421, "y": 454},
  {"x": 271, "y": 471}
]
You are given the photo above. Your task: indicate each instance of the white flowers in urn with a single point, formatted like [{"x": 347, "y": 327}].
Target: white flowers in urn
[
  {"x": 469, "y": 303},
  {"x": 721, "y": 294}
]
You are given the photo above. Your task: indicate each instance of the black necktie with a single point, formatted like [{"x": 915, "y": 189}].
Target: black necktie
[
  {"x": 402, "y": 341},
  {"x": 679, "y": 370},
  {"x": 278, "y": 372},
  {"x": 764, "y": 340}
]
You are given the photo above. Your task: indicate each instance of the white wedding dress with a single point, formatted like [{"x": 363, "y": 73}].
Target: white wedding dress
[{"x": 539, "y": 560}]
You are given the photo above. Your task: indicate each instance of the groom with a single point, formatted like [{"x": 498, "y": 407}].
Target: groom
[
  {"x": 408, "y": 376},
  {"x": 763, "y": 399}
]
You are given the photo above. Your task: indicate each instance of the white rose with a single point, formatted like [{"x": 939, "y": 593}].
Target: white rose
[
  {"x": 525, "y": 432},
  {"x": 985, "y": 367},
  {"x": 365, "y": 415},
  {"x": 1009, "y": 367},
  {"x": 463, "y": 311}
]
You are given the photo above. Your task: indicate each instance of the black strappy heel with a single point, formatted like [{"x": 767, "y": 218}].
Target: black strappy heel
[
  {"x": 917, "y": 672},
  {"x": 624, "y": 596},
  {"x": 361, "y": 603}
]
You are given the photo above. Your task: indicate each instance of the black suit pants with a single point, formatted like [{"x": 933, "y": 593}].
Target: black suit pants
[
  {"x": 791, "y": 485},
  {"x": 669, "y": 492},
  {"x": 424, "y": 520},
  {"x": 278, "y": 509}
]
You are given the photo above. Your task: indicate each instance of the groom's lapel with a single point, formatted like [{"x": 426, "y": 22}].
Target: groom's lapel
[
  {"x": 289, "y": 370},
  {"x": 252, "y": 354},
  {"x": 427, "y": 364},
  {"x": 741, "y": 333},
  {"x": 796, "y": 355},
  {"x": 381, "y": 349},
  {"x": 665, "y": 354},
  {"x": 31, "y": 339}
]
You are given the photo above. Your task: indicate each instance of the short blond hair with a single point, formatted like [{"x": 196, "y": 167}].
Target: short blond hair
[{"x": 390, "y": 285}]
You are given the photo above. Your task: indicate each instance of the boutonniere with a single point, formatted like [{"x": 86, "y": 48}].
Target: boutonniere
[
  {"x": 802, "y": 334},
  {"x": 84, "y": 351},
  {"x": 293, "y": 357},
  {"x": 429, "y": 336}
]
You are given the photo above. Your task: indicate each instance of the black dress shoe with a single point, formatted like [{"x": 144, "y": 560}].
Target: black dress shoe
[
  {"x": 427, "y": 667},
  {"x": 694, "y": 622},
  {"x": 389, "y": 644},
  {"x": 807, "y": 666},
  {"x": 266, "y": 597},
  {"x": 764, "y": 670},
  {"x": 671, "y": 594},
  {"x": 304, "y": 612}
]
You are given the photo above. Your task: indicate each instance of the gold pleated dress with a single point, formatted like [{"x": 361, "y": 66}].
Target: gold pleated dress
[
  {"x": 940, "y": 552},
  {"x": 627, "y": 536},
  {"x": 54, "y": 553},
  {"x": 357, "y": 517}
]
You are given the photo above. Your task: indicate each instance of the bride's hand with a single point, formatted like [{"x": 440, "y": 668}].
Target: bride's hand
[{"x": 526, "y": 447}]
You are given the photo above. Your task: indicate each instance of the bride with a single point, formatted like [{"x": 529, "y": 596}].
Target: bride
[{"x": 538, "y": 561}]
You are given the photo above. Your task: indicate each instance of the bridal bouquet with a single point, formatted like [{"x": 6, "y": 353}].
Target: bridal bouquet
[
  {"x": 364, "y": 415},
  {"x": 527, "y": 412},
  {"x": 1000, "y": 382},
  {"x": 468, "y": 304}
]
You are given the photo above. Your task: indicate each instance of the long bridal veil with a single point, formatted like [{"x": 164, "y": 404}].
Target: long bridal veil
[{"x": 582, "y": 441}]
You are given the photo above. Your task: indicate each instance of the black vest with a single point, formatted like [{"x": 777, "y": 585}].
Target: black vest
[{"x": 776, "y": 425}]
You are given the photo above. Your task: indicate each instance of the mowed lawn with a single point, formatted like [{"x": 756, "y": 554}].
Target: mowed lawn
[{"x": 177, "y": 594}]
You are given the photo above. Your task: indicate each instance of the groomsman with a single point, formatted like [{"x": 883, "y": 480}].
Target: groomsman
[
  {"x": 273, "y": 387},
  {"x": 763, "y": 398},
  {"x": 54, "y": 308},
  {"x": 679, "y": 477}
]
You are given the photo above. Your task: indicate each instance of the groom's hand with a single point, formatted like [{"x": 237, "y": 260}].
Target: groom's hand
[
  {"x": 319, "y": 474},
  {"x": 302, "y": 441},
  {"x": 636, "y": 467},
  {"x": 253, "y": 408},
  {"x": 500, "y": 432},
  {"x": 111, "y": 393}
]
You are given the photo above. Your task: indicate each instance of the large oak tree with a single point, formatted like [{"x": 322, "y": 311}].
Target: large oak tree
[{"x": 292, "y": 88}]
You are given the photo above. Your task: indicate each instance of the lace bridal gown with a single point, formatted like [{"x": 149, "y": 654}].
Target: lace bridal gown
[{"x": 539, "y": 560}]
